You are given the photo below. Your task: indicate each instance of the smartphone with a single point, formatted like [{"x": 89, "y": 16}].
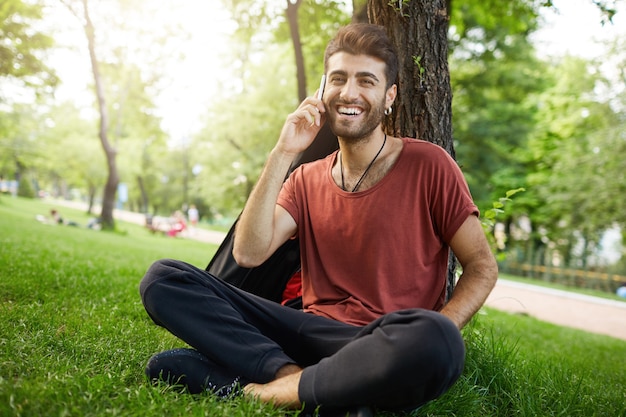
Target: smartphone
[{"x": 320, "y": 92}]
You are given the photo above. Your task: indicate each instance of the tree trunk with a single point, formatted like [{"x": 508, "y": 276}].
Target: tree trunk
[
  {"x": 144, "y": 195},
  {"x": 419, "y": 29},
  {"x": 359, "y": 11},
  {"x": 294, "y": 29},
  {"x": 91, "y": 197},
  {"x": 110, "y": 188}
]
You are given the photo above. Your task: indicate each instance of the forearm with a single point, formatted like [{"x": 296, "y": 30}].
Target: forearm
[
  {"x": 256, "y": 236},
  {"x": 470, "y": 293},
  {"x": 255, "y": 228}
]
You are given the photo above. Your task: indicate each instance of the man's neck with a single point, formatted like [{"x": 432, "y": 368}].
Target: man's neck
[
  {"x": 375, "y": 158},
  {"x": 357, "y": 153}
]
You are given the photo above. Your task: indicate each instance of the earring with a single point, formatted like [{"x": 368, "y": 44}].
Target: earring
[{"x": 388, "y": 111}]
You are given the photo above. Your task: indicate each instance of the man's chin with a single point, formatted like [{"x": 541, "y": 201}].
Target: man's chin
[
  {"x": 345, "y": 130},
  {"x": 349, "y": 135}
]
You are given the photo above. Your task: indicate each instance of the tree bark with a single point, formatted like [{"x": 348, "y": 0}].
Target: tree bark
[
  {"x": 419, "y": 29},
  {"x": 144, "y": 195},
  {"x": 91, "y": 197},
  {"x": 359, "y": 11},
  {"x": 110, "y": 188},
  {"x": 294, "y": 28}
]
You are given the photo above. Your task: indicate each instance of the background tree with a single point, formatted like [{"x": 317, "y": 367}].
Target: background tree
[
  {"x": 495, "y": 78},
  {"x": 19, "y": 147},
  {"x": 110, "y": 188},
  {"x": 573, "y": 191},
  {"x": 23, "y": 72},
  {"x": 120, "y": 55},
  {"x": 23, "y": 47},
  {"x": 231, "y": 157},
  {"x": 69, "y": 158}
]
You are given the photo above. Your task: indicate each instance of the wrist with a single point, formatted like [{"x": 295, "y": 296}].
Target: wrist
[{"x": 279, "y": 154}]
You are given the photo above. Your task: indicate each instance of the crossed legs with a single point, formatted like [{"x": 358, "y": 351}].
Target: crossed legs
[{"x": 401, "y": 360}]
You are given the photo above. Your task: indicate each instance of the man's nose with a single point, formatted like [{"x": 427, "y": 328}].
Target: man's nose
[{"x": 350, "y": 90}]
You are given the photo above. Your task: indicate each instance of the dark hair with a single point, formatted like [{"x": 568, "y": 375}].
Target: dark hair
[{"x": 365, "y": 39}]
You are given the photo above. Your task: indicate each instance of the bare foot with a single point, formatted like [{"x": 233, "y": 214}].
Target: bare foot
[{"x": 282, "y": 392}]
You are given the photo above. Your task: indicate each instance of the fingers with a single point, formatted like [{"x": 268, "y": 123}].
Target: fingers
[
  {"x": 311, "y": 110},
  {"x": 314, "y": 116},
  {"x": 302, "y": 126}
]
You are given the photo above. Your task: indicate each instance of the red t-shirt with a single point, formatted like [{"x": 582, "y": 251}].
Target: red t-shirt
[{"x": 369, "y": 253}]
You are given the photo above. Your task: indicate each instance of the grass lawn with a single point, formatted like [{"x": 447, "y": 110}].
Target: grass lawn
[{"x": 74, "y": 337}]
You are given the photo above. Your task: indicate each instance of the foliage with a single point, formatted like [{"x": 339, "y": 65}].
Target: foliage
[
  {"x": 225, "y": 181},
  {"x": 70, "y": 156},
  {"x": 489, "y": 216},
  {"x": 26, "y": 187},
  {"x": 134, "y": 129},
  {"x": 76, "y": 337},
  {"x": 318, "y": 21},
  {"x": 544, "y": 126},
  {"x": 19, "y": 147},
  {"x": 23, "y": 46},
  {"x": 477, "y": 19},
  {"x": 495, "y": 77},
  {"x": 569, "y": 158},
  {"x": 234, "y": 145}
]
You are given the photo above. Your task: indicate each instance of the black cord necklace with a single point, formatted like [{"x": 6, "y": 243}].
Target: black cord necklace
[{"x": 343, "y": 185}]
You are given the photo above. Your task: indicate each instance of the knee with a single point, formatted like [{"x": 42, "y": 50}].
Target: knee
[
  {"x": 162, "y": 270},
  {"x": 443, "y": 355},
  {"x": 153, "y": 275},
  {"x": 430, "y": 354},
  {"x": 158, "y": 276}
]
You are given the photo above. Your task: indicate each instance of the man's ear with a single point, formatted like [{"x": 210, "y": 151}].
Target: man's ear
[{"x": 391, "y": 95}]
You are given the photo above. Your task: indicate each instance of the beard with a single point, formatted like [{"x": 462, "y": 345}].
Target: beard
[{"x": 355, "y": 131}]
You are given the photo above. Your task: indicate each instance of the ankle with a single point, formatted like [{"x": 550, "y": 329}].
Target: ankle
[
  {"x": 288, "y": 369},
  {"x": 282, "y": 392}
]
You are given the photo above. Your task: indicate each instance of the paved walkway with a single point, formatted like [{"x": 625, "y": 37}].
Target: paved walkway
[
  {"x": 584, "y": 312},
  {"x": 592, "y": 314}
]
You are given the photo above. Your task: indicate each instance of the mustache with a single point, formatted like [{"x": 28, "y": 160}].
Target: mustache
[{"x": 340, "y": 102}]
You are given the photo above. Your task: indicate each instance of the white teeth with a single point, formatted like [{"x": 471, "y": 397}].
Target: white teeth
[{"x": 350, "y": 111}]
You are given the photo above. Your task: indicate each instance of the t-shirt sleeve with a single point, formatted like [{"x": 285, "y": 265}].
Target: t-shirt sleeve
[{"x": 452, "y": 202}]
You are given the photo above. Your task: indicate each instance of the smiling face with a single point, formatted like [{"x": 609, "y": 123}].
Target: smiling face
[{"x": 356, "y": 95}]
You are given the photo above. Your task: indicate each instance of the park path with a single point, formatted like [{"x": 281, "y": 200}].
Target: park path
[
  {"x": 564, "y": 308},
  {"x": 583, "y": 312}
]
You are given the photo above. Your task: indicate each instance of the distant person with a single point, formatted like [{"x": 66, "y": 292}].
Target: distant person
[
  {"x": 621, "y": 291},
  {"x": 56, "y": 216},
  {"x": 178, "y": 224},
  {"x": 94, "y": 223},
  {"x": 193, "y": 216},
  {"x": 375, "y": 222}
]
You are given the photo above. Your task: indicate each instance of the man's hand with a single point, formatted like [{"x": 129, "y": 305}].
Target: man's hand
[{"x": 302, "y": 126}]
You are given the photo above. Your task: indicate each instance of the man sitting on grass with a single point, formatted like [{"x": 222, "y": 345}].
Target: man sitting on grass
[{"x": 375, "y": 222}]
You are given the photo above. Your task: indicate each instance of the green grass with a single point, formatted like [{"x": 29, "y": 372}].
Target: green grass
[{"x": 74, "y": 337}]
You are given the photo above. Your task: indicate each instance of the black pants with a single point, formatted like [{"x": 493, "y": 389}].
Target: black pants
[{"x": 400, "y": 360}]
